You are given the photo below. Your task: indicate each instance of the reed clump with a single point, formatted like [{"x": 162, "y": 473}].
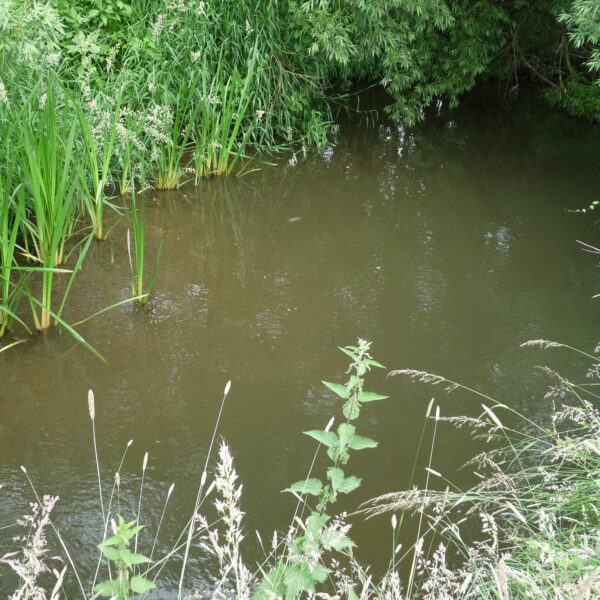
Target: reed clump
[{"x": 86, "y": 111}]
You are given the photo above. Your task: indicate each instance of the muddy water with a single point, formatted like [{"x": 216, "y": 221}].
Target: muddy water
[{"x": 447, "y": 245}]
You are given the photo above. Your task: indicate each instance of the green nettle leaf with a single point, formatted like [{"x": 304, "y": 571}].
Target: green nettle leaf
[
  {"x": 359, "y": 442},
  {"x": 272, "y": 585},
  {"x": 130, "y": 558},
  {"x": 126, "y": 531},
  {"x": 107, "y": 588},
  {"x": 306, "y": 486},
  {"x": 320, "y": 572},
  {"x": 371, "y": 397},
  {"x": 327, "y": 438},
  {"x": 340, "y": 483},
  {"x": 346, "y": 433},
  {"x": 374, "y": 363},
  {"x": 351, "y": 410},
  {"x": 141, "y": 585},
  {"x": 352, "y": 594},
  {"x": 338, "y": 388},
  {"x": 350, "y": 484},
  {"x": 115, "y": 540},
  {"x": 350, "y": 351},
  {"x": 354, "y": 382},
  {"x": 110, "y": 552},
  {"x": 298, "y": 579},
  {"x": 333, "y": 538},
  {"x": 315, "y": 522}
]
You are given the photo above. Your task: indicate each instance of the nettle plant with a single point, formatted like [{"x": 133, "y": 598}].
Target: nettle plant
[
  {"x": 116, "y": 549},
  {"x": 302, "y": 568}
]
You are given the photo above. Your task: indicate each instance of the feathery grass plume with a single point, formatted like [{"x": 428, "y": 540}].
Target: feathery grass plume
[
  {"x": 31, "y": 562},
  {"x": 200, "y": 494},
  {"x": 537, "y": 504},
  {"x": 234, "y": 576}
]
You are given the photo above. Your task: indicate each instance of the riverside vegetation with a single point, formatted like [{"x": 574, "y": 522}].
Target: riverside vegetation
[
  {"x": 536, "y": 507},
  {"x": 100, "y": 95}
]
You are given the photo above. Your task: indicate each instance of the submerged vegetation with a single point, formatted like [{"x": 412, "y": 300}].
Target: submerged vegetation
[
  {"x": 91, "y": 91},
  {"x": 528, "y": 529}
]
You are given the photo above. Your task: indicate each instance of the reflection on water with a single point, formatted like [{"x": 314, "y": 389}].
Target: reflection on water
[{"x": 447, "y": 245}]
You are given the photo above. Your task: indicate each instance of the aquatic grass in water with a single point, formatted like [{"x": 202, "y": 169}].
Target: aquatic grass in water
[
  {"x": 137, "y": 253},
  {"x": 51, "y": 175},
  {"x": 99, "y": 146},
  {"x": 222, "y": 118},
  {"x": 12, "y": 210},
  {"x": 172, "y": 163}
]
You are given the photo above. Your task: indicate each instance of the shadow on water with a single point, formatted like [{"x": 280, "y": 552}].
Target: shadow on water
[{"x": 447, "y": 245}]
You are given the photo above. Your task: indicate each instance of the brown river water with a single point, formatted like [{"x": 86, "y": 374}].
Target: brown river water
[{"x": 446, "y": 245}]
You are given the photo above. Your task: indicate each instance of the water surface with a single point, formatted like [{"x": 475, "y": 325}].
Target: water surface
[{"x": 447, "y": 245}]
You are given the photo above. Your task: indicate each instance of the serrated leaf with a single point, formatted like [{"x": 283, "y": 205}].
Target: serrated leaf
[
  {"x": 140, "y": 585},
  {"x": 130, "y": 533},
  {"x": 336, "y": 476},
  {"x": 359, "y": 442},
  {"x": 338, "y": 388},
  {"x": 371, "y": 397},
  {"x": 349, "y": 352},
  {"x": 340, "y": 483},
  {"x": 354, "y": 381},
  {"x": 333, "y": 538},
  {"x": 311, "y": 486},
  {"x": 374, "y": 363},
  {"x": 319, "y": 572},
  {"x": 350, "y": 484},
  {"x": 315, "y": 522},
  {"x": 114, "y": 540},
  {"x": 351, "y": 410},
  {"x": 272, "y": 585},
  {"x": 298, "y": 579},
  {"x": 123, "y": 536},
  {"x": 107, "y": 588},
  {"x": 352, "y": 594},
  {"x": 346, "y": 433},
  {"x": 327, "y": 438},
  {"x": 110, "y": 552},
  {"x": 131, "y": 558}
]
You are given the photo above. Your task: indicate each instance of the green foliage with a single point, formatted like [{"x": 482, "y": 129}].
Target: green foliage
[
  {"x": 302, "y": 570},
  {"x": 244, "y": 79},
  {"x": 116, "y": 550},
  {"x": 582, "y": 19}
]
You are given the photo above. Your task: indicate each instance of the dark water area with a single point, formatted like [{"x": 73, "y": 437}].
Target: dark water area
[{"x": 447, "y": 245}]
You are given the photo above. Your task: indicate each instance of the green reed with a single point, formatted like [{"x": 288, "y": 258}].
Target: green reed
[
  {"x": 220, "y": 141},
  {"x": 99, "y": 144},
  {"x": 51, "y": 175},
  {"x": 136, "y": 249},
  {"x": 172, "y": 162},
  {"x": 12, "y": 210}
]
